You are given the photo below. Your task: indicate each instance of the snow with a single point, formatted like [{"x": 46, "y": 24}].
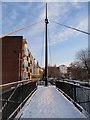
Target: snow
[{"x": 48, "y": 102}]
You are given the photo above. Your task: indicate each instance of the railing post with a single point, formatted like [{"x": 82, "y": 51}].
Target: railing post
[{"x": 75, "y": 98}]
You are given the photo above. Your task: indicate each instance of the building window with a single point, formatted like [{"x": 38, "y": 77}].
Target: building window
[
  {"x": 30, "y": 70},
  {"x": 29, "y": 55},
  {"x": 27, "y": 69},
  {"x": 27, "y": 58},
  {"x": 30, "y": 62}
]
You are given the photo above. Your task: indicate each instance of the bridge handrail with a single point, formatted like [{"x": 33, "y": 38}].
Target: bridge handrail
[
  {"x": 80, "y": 94},
  {"x": 75, "y": 84},
  {"x": 12, "y": 83}
]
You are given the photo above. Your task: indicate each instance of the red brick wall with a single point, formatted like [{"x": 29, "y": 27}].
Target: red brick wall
[
  {"x": 53, "y": 71},
  {"x": 11, "y": 47}
]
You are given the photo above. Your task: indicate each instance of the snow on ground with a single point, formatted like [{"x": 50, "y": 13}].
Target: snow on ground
[{"x": 47, "y": 102}]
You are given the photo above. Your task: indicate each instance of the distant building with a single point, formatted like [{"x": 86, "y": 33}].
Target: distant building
[
  {"x": 63, "y": 70},
  {"x": 38, "y": 71},
  {"x": 17, "y": 61},
  {"x": 53, "y": 71}
]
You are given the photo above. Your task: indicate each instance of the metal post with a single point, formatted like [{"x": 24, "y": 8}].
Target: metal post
[
  {"x": 19, "y": 66},
  {"x": 75, "y": 98},
  {"x": 46, "y": 51},
  {"x": 21, "y": 88}
]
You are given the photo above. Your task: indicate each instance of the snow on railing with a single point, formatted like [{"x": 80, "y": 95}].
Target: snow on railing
[
  {"x": 80, "y": 94},
  {"x": 16, "y": 97}
]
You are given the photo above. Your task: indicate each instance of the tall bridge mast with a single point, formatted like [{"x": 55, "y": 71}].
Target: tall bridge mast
[{"x": 46, "y": 50}]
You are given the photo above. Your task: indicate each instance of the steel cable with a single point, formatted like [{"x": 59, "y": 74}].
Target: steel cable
[
  {"x": 71, "y": 27},
  {"x": 14, "y": 31}
]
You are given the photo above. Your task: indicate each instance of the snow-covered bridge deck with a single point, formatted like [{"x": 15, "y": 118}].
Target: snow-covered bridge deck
[{"x": 47, "y": 102}]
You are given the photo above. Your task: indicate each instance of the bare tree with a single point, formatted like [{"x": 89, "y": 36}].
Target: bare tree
[
  {"x": 84, "y": 57},
  {"x": 76, "y": 71}
]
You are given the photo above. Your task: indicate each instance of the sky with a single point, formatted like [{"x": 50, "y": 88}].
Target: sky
[{"x": 63, "y": 43}]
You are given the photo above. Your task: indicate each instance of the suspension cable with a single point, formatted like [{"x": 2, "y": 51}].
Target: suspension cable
[
  {"x": 14, "y": 31},
  {"x": 49, "y": 40},
  {"x": 70, "y": 27},
  {"x": 42, "y": 49}
]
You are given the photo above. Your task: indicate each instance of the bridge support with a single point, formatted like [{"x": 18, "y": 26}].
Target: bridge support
[{"x": 46, "y": 51}]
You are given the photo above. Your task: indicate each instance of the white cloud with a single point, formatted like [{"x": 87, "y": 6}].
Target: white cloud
[
  {"x": 56, "y": 10},
  {"x": 9, "y": 18},
  {"x": 83, "y": 24},
  {"x": 77, "y": 4},
  {"x": 67, "y": 33},
  {"x": 14, "y": 15}
]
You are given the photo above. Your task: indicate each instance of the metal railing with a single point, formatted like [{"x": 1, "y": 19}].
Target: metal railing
[
  {"x": 78, "y": 93},
  {"x": 15, "y": 97}
]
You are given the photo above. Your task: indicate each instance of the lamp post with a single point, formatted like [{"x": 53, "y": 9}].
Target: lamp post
[{"x": 19, "y": 66}]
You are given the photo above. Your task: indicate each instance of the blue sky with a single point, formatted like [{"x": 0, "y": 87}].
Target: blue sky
[{"x": 63, "y": 42}]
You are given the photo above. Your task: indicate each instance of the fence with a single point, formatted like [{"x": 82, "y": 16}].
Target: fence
[
  {"x": 79, "y": 94},
  {"x": 15, "y": 97}
]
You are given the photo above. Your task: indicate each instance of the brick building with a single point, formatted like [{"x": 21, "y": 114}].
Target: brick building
[
  {"x": 53, "y": 71},
  {"x": 16, "y": 59}
]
